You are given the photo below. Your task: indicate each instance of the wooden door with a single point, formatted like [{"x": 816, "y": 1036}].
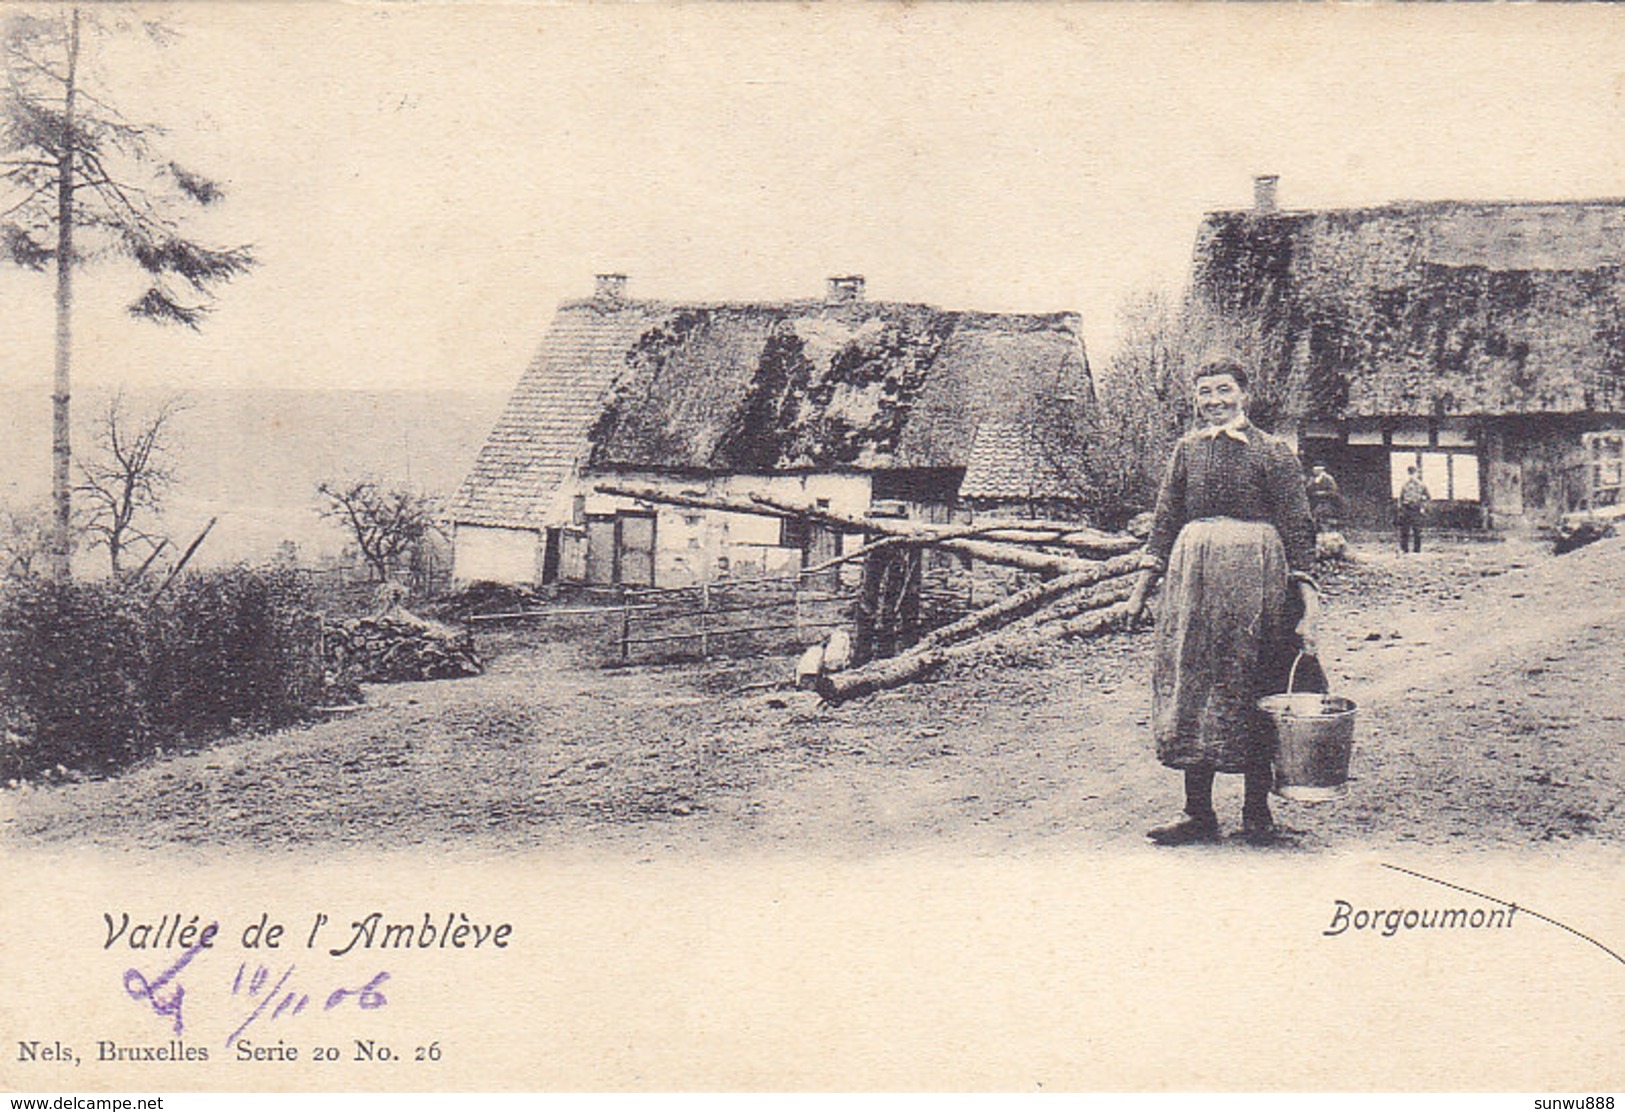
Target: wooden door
[
  {"x": 823, "y": 544},
  {"x": 550, "y": 555},
  {"x": 635, "y": 552},
  {"x": 601, "y": 549}
]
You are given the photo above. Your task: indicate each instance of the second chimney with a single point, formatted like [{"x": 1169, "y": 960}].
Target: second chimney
[
  {"x": 610, "y": 287},
  {"x": 1265, "y": 200},
  {"x": 846, "y": 287}
]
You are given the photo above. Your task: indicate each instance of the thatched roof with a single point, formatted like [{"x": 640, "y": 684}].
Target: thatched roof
[
  {"x": 1008, "y": 463},
  {"x": 760, "y": 388},
  {"x": 1434, "y": 309}
]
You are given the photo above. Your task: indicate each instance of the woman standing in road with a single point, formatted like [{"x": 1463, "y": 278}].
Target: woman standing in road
[{"x": 1234, "y": 542}]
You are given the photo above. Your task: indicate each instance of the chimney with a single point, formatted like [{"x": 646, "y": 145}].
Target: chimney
[
  {"x": 844, "y": 288},
  {"x": 1265, "y": 202},
  {"x": 610, "y": 287}
]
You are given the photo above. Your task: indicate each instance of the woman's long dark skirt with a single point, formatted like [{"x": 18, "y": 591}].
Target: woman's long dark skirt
[{"x": 1224, "y": 639}]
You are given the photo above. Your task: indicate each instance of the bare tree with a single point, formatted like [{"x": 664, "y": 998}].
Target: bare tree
[
  {"x": 1141, "y": 405},
  {"x": 24, "y": 538},
  {"x": 75, "y": 164},
  {"x": 124, "y": 482},
  {"x": 386, "y": 522},
  {"x": 1143, "y": 399}
]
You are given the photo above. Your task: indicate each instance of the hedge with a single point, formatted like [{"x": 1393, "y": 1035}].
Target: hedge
[{"x": 95, "y": 676}]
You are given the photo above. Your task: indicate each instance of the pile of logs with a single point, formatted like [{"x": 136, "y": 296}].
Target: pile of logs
[
  {"x": 397, "y": 645},
  {"x": 1081, "y": 603},
  {"x": 1086, "y": 579}
]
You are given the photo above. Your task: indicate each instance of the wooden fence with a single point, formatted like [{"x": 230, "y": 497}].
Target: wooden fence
[
  {"x": 721, "y": 617},
  {"x": 716, "y": 618}
]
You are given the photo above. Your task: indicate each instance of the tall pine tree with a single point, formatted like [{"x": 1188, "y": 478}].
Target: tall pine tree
[{"x": 80, "y": 182}]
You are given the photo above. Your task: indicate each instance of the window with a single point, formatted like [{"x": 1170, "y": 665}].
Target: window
[
  {"x": 793, "y": 533},
  {"x": 1463, "y": 477},
  {"x": 796, "y": 533},
  {"x": 1449, "y": 476},
  {"x": 1435, "y": 474}
]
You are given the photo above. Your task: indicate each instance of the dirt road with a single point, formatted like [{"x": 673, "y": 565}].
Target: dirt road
[{"x": 1487, "y": 676}]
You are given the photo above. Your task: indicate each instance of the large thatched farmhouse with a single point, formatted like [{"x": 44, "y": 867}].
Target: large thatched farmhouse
[
  {"x": 1478, "y": 340},
  {"x": 842, "y": 401}
]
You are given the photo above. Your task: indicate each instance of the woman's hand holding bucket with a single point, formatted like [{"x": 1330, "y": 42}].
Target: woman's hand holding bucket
[
  {"x": 1309, "y": 626},
  {"x": 1136, "y": 601}
]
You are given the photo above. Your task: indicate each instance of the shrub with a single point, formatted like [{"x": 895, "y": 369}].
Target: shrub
[
  {"x": 98, "y": 675},
  {"x": 71, "y": 675},
  {"x": 240, "y": 645}
]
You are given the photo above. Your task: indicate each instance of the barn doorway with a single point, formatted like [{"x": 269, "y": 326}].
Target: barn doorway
[
  {"x": 601, "y": 549},
  {"x": 635, "y": 548}
]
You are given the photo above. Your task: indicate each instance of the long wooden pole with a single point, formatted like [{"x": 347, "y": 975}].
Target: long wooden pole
[
  {"x": 921, "y": 663},
  {"x": 994, "y": 543},
  {"x": 1009, "y": 555},
  {"x": 667, "y": 498},
  {"x": 61, "y": 556},
  {"x": 185, "y": 558},
  {"x": 1031, "y": 600},
  {"x": 163, "y": 543}
]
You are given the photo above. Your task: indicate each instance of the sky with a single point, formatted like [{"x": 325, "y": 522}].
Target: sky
[{"x": 424, "y": 183}]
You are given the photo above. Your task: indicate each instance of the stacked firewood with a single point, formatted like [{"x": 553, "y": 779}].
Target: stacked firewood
[
  {"x": 397, "y": 645},
  {"x": 1088, "y": 576},
  {"x": 1082, "y": 603}
]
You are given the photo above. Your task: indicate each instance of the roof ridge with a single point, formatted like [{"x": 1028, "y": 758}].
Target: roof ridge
[
  {"x": 1420, "y": 205},
  {"x": 607, "y": 307}
]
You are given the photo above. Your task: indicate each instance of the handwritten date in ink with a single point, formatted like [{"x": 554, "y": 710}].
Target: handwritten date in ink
[
  {"x": 165, "y": 994},
  {"x": 280, "y": 1000}
]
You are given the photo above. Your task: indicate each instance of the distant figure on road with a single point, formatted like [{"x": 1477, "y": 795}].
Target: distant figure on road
[
  {"x": 1324, "y": 498},
  {"x": 1413, "y": 503}
]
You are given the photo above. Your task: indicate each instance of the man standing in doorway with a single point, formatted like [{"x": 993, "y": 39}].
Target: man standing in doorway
[
  {"x": 1323, "y": 499},
  {"x": 1413, "y": 502}
]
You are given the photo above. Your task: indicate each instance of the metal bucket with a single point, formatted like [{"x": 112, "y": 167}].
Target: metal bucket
[{"x": 1314, "y": 735}]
